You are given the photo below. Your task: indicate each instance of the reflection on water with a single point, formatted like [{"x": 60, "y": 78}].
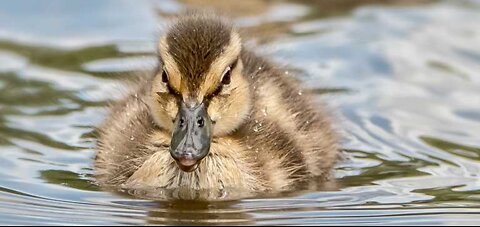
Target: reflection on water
[{"x": 400, "y": 76}]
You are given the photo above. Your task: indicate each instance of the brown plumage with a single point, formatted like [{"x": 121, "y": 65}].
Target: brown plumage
[{"x": 265, "y": 134}]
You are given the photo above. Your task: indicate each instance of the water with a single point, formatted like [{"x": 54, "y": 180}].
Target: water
[{"x": 402, "y": 80}]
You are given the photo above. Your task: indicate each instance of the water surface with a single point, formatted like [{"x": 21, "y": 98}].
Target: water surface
[{"x": 401, "y": 78}]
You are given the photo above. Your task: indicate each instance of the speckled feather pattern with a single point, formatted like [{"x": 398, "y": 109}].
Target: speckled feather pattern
[{"x": 283, "y": 141}]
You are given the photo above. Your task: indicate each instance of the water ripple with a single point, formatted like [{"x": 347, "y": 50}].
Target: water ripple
[{"x": 401, "y": 78}]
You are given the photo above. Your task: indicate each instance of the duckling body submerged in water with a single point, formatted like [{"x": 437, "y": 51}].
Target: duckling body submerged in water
[{"x": 213, "y": 116}]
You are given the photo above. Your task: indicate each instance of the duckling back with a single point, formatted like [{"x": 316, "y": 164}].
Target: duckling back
[{"x": 287, "y": 132}]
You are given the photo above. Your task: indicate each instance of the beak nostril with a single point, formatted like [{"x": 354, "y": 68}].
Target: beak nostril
[
  {"x": 191, "y": 136},
  {"x": 200, "y": 122}
]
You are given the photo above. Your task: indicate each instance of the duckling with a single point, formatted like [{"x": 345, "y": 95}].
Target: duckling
[{"x": 214, "y": 116}]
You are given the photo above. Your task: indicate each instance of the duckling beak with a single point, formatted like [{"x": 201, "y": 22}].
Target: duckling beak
[{"x": 191, "y": 136}]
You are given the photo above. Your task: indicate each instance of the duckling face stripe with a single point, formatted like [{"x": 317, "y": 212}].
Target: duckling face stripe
[
  {"x": 191, "y": 46},
  {"x": 209, "y": 81},
  {"x": 169, "y": 64},
  {"x": 214, "y": 75}
]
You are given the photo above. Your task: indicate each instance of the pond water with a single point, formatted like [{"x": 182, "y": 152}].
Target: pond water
[{"x": 402, "y": 79}]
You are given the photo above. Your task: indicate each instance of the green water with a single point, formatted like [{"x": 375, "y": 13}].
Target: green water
[{"x": 402, "y": 79}]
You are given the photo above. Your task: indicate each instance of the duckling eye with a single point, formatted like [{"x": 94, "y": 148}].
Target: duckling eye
[
  {"x": 164, "y": 76},
  {"x": 226, "y": 75}
]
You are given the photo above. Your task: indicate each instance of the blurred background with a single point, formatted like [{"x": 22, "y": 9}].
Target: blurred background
[{"x": 402, "y": 78}]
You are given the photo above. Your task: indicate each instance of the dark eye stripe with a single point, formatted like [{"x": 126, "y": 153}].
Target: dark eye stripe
[
  {"x": 171, "y": 90},
  {"x": 217, "y": 91},
  {"x": 220, "y": 86}
]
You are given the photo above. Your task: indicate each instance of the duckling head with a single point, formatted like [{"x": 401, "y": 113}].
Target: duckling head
[{"x": 199, "y": 91}]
